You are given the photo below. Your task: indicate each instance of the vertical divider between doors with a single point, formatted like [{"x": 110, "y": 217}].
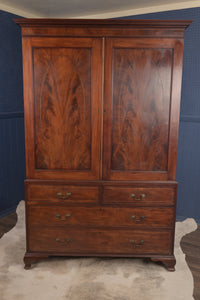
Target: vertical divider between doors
[
  {"x": 107, "y": 109},
  {"x": 102, "y": 108}
]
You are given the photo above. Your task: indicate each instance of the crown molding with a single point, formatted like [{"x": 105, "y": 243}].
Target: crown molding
[{"x": 106, "y": 15}]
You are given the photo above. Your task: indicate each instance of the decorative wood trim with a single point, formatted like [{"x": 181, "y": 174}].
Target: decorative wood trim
[
  {"x": 159, "y": 183},
  {"x": 103, "y": 23}
]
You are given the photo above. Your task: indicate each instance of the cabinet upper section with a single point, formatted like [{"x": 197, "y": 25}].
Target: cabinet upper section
[
  {"x": 102, "y": 98},
  {"x": 99, "y": 28}
]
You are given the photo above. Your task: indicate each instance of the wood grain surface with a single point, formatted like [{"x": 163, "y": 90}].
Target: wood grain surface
[
  {"x": 100, "y": 216},
  {"x": 62, "y": 104},
  {"x": 139, "y": 195},
  {"x": 62, "y": 96},
  {"x": 141, "y": 104},
  {"x": 66, "y": 240}
]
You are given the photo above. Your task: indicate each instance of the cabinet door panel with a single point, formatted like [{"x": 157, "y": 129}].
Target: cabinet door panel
[
  {"x": 66, "y": 76},
  {"x": 62, "y": 105},
  {"x": 138, "y": 103}
]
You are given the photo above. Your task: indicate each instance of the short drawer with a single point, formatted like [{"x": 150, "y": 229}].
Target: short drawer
[
  {"x": 100, "y": 216},
  {"x": 63, "y": 193},
  {"x": 113, "y": 242},
  {"x": 139, "y": 196}
]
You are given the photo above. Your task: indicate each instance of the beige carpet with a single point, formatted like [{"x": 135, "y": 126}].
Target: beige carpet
[{"x": 90, "y": 278}]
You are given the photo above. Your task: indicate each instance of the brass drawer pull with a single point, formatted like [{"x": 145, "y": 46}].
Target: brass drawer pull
[
  {"x": 141, "y": 218},
  {"x": 61, "y": 196},
  {"x": 142, "y": 196},
  {"x": 63, "y": 219},
  {"x": 66, "y": 240},
  {"x": 141, "y": 242}
]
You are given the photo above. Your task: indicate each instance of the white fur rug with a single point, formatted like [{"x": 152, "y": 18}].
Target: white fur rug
[{"x": 90, "y": 278}]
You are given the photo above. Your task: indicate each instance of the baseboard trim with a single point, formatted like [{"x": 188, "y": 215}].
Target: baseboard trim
[
  {"x": 11, "y": 115},
  {"x": 8, "y": 211},
  {"x": 190, "y": 118}
]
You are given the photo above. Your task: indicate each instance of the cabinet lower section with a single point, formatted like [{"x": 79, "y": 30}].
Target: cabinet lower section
[{"x": 128, "y": 220}]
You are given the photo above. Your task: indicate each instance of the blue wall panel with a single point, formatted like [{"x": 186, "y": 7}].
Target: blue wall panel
[
  {"x": 12, "y": 171},
  {"x": 188, "y": 172},
  {"x": 12, "y": 154},
  {"x": 11, "y": 95},
  {"x": 188, "y": 165}
]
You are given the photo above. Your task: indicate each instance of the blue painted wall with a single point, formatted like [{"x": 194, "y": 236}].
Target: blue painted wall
[
  {"x": 188, "y": 165},
  {"x": 12, "y": 154}
]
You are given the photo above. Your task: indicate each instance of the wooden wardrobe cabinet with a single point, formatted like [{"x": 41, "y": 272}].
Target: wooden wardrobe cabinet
[{"x": 101, "y": 100}]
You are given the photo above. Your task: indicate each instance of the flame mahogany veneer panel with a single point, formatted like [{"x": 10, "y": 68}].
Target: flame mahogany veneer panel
[
  {"x": 140, "y": 109},
  {"x": 62, "y": 104}
]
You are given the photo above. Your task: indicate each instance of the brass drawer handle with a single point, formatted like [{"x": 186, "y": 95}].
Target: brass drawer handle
[
  {"x": 142, "y": 196},
  {"x": 61, "y": 196},
  {"x": 141, "y": 218},
  {"x": 63, "y": 219},
  {"x": 64, "y": 241},
  {"x": 141, "y": 242}
]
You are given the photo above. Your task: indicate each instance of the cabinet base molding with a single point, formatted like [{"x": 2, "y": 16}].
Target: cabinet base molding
[
  {"x": 169, "y": 262},
  {"x": 31, "y": 258}
]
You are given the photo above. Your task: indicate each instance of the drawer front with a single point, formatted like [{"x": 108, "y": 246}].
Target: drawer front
[
  {"x": 100, "y": 216},
  {"x": 63, "y": 193},
  {"x": 139, "y": 196},
  {"x": 64, "y": 240}
]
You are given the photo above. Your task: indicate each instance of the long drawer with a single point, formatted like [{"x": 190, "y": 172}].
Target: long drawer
[
  {"x": 63, "y": 193},
  {"x": 138, "y": 196},
  {"x": 100, "y": 216},
  {"x": 65, "y": 240}
]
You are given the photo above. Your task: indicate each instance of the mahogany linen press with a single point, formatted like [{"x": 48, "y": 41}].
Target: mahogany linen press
[{"x": 101, "y": 101}]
